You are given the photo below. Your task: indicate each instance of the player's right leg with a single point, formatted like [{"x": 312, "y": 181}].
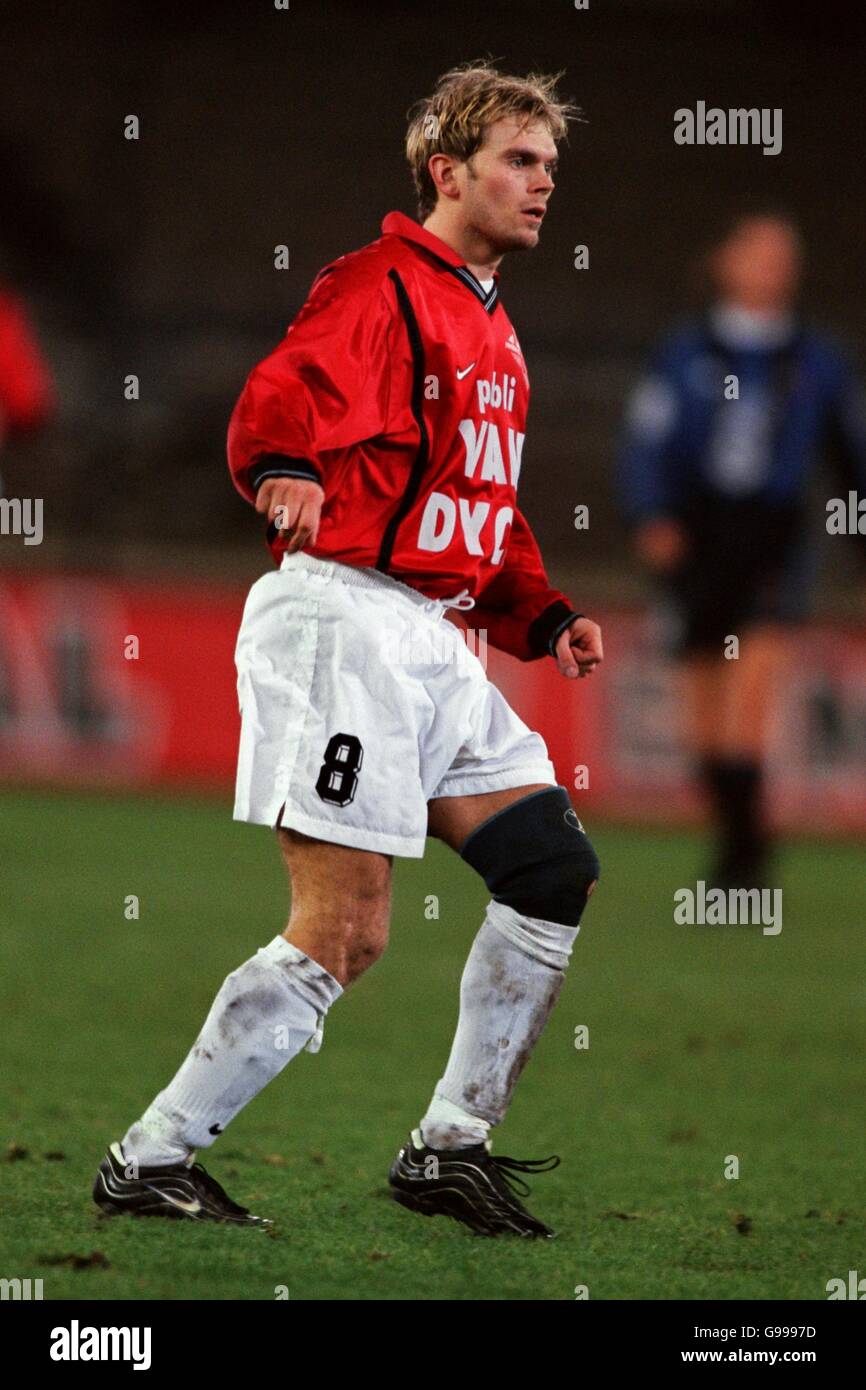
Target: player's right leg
[
  {"x": 335, "y": 702},
  {"x": 266, "y": 1012},
  {"x": 341, "y": 903},
  {"x": 326, "y": 719}
]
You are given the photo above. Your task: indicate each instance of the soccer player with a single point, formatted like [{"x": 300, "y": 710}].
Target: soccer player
[
  {"x": 383, "y": 439},
  {"x": 723, "y": 438}
]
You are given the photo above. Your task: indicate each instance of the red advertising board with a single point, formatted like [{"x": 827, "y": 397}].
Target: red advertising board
[
  {"x": 120, "y": 683},
  {"x": 617, "y": 744},
  {"x": 132, "y": 684}
]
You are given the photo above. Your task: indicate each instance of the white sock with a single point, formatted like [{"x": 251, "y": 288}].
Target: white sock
[
  {"x": 512, "y": 979},
  {"x": 448, "y": 1126},
  {"x": 264, "y": 1014}
]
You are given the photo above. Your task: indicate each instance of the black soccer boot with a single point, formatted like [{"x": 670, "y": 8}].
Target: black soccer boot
[
  {"x": 471, "y": 1185},
  {"x": 174, "y": 1191}
]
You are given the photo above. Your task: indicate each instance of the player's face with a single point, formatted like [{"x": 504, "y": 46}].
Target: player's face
[
  {"x": 506, "y": 185},
  {"x": 759, "y": 266}
]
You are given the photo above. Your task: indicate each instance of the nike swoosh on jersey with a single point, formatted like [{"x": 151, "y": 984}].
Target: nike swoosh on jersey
[{"x": 461, "y": 375}]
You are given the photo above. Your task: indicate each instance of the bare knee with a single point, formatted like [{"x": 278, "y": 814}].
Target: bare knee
[
  {"x": 346, "y": 935},
  {"x": 341, "y": 904},
  {"x": 365, "y": 945}
]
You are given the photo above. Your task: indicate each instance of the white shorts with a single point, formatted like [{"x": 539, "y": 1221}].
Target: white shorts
[{"x": 360, "y": 702}]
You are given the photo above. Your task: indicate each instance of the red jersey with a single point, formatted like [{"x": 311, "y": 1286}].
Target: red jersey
[{"x": 401, "y": 388}]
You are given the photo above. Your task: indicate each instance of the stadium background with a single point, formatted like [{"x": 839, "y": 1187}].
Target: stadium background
[{"x": 155, "y": 257}]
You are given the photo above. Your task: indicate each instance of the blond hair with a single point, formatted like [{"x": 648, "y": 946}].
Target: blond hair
[{"x": 465, "y": 101}]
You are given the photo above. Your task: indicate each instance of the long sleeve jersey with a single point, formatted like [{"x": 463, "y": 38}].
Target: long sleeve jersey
[{"x": 401, "y": 389}]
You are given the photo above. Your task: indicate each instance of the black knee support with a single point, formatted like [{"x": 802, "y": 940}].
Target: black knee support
[{"x": 536, "y": 857}]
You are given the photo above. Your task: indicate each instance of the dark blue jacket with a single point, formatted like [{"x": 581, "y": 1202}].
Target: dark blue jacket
[{"x": 684, "y": 439}]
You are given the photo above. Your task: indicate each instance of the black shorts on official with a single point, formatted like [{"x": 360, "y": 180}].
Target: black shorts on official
[{"x": 747, "y": 564}]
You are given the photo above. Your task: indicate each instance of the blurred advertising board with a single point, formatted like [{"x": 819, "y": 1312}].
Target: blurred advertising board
[{"x": 131, "y": 684}]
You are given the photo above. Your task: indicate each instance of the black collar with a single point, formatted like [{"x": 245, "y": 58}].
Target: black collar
[{"x": 465, "y": 274}]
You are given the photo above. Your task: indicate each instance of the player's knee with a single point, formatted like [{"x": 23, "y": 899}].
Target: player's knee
[
  {"x": 359, "y": 927},
  {"x": 536, "y": 858},
  {"x": 345, "y": 930},
  {"x": 362, "y": 951}
]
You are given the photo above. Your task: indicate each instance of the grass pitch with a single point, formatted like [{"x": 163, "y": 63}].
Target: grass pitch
[{"x": 704, "y": 1043}]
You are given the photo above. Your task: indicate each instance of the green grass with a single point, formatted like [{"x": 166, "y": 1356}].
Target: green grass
[{"x": 704, "y": 1042}]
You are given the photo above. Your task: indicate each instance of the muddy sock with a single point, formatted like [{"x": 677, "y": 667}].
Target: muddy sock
[
  {"x": 512, "y": 979},
  {"x": 264, "y": 1014}
]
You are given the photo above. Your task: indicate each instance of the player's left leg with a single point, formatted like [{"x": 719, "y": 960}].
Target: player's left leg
[
  {"x": 526, "y": 844},
  {"x": 529, "y": 847}
]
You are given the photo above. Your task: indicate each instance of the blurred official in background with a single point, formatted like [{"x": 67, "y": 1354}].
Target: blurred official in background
[{"x": 722, "y": 442}]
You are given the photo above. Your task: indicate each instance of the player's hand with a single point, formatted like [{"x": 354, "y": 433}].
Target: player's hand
[
  {"x": 578, "y": 648},
  {"x": 294, "y": 505},
  {"x": 661, "y": 544}
]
